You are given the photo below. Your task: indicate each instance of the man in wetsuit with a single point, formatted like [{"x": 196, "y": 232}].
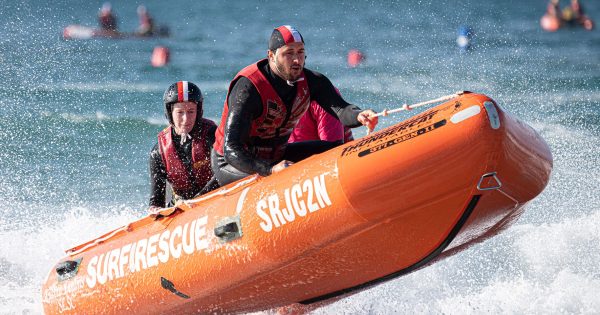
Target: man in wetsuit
[
  {"x": 182, "y": 155},
  {"x": 264, "y": 103}
]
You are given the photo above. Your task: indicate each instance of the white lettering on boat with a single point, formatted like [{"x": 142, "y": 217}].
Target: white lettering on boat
[
  {"x": 148, "y": 252},
  {"x": 63, "y": 293},
  {"x": 299, "y": 200}
]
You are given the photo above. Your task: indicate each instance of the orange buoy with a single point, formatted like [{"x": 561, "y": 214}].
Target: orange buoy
[
  {"x": 338, "y": 222},
  {"x": 160, "y": 56},
  {"x": 355, "y": 57}
]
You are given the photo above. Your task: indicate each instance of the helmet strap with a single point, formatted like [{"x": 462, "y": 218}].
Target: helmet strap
[{"x": 184, "y": 138}]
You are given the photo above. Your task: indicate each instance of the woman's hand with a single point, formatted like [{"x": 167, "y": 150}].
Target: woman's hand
[
  {"x": 280, "y": 166},
  {"x": 154, "y": 209}
]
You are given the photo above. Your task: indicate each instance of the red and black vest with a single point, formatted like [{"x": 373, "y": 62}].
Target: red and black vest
[
  {"x": 186, "y": 183},
  {"x": 270, "y": 132}
]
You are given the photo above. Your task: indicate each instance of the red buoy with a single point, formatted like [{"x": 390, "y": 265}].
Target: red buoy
[
  {"x": 160, "y": 56},
  {"x": 355, "y": 57}
]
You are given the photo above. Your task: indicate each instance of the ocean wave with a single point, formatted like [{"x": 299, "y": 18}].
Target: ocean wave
[
  {"x": 103, "y": 87},
  {"x": 157, "y": 121},
  {"x": 127, "y": 86},
  {"x": 45, "y": 243},
  {"x": 75, "y": 118},
  {"x": 530, "y": 269},
  {"x": 101, "y": 117}
]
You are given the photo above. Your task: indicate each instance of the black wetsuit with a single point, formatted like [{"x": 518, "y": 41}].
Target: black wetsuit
[
  {"x": 245, "y": 105},
  {"x": 158, "y": 172}
]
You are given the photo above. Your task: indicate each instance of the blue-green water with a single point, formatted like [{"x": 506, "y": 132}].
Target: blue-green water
[{"x": 78, "y": 118}]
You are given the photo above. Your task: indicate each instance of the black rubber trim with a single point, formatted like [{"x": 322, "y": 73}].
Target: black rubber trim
[
  {"x": 168, "y": 285},
  {"x": 419, "y": 264}
]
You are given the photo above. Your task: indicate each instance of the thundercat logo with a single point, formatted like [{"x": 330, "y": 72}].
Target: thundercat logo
[{"x": 384, "y": 136}]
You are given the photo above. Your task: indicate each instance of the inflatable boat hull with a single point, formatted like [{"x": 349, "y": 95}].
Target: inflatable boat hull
[{"x": 335, "y": 223}]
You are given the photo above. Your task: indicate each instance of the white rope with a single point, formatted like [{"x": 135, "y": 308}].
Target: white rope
[
  {"x": 386, "y": 112},
  {"x": 220, "y": 192}
]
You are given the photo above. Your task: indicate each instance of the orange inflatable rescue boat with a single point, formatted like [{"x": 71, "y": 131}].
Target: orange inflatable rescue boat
[{"x": 338, "y": 222}]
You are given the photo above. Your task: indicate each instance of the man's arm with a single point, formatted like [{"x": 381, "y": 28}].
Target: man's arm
[
  {"x": 244, "y": 105},
  {"x": 210, "y": 136},
  {"x": 323, "y": 91},
  {"x": 325, "y": 94}
]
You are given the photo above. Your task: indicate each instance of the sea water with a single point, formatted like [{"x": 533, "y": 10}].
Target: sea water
[{"x": 78, "y": 118}]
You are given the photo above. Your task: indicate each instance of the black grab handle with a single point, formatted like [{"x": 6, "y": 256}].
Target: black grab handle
[
  {"x": 66, "y": 267},
  {"x": 226, "y": 229}
]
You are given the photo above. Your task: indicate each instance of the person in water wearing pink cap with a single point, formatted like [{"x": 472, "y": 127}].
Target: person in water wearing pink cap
[{"x": 264, "y": 102}]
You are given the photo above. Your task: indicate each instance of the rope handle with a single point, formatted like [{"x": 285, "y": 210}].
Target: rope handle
[{"x": 386, "y": 112}]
